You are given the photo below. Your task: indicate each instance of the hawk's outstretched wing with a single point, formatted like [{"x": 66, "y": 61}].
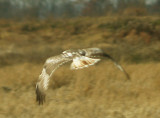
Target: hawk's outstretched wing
[
  {"x": 50, "y": 66},
  {"x": 97, "y": 52}
]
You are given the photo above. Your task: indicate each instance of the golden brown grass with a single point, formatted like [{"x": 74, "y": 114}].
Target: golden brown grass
[{"x": 101, "y": 91}]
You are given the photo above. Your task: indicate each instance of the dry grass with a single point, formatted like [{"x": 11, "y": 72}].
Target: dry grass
[
  {"x": 100, "y": 91},
  {"x": 84, "y": 94}
]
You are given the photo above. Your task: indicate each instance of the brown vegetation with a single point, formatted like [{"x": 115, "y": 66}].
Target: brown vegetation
[{"x": 97, "y": 92}]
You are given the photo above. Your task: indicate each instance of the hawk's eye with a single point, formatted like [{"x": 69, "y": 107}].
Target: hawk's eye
[{"x": 81, "y": 52}]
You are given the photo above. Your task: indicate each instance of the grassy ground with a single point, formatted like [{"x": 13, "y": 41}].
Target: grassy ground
[{"x": 101, "y": 91}]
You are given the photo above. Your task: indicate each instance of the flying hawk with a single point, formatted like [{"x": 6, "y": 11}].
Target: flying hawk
[{"x": 80, "y": 58}]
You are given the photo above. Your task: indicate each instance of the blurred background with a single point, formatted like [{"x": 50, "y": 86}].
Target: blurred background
[
  {"x": 33, "y": 30},
  {"x": 75, "y": 8}
]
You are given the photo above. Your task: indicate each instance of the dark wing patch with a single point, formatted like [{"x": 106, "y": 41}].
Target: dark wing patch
[{"x": 40, "y": 96}]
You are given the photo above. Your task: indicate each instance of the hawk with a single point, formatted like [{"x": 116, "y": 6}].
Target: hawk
[{"x": 81, "y": 58}]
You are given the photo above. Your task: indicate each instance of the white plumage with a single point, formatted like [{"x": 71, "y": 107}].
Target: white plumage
[
  {"x": 82, "y": 62},
  {"x": 81, "y": 58}
]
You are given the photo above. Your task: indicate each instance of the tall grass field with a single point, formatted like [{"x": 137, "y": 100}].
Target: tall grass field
[{"x": 100, "y": 91}]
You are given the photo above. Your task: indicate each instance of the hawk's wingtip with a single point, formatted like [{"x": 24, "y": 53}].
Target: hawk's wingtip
[
  {"x": 128, "y": 77},
  {"x": 40, "y": 96}
]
